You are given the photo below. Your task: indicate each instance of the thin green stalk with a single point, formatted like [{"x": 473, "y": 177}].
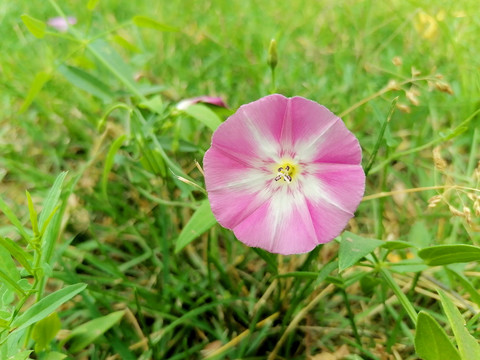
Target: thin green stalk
[
  {"x": 351, "y": 316},
  {"x": 380, "y": 137}
]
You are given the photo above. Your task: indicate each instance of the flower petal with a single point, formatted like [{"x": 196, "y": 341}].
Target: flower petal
[
  {"x": 254, "y": 130},
  {"x": 281, "y": 225},
  {"x": 318, "y": 134}
]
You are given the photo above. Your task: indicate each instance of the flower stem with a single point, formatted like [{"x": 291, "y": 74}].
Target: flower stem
[{"x": 351, "y": 316}]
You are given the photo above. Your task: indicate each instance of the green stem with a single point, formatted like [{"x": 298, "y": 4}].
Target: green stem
[
  {"x": 351, "y": 316},
  {"x": 380, "y": 137}
]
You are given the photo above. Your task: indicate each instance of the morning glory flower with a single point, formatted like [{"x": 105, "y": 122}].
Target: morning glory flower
[
  {"x": 284, "y": 174},
  {"x": 62, "y": 24}
]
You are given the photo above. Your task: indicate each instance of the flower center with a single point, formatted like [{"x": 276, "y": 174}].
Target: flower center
[{"x": 286, "y": 172}]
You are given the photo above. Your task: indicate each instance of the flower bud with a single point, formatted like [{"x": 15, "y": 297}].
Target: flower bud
[{"x": 272, "y": 54}]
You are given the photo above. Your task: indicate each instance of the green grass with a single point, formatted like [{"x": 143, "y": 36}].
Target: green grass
[{"x": 121, "y": 213}]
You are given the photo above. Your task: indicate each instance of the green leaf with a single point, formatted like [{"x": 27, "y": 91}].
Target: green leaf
[
  {"x": 467, "y": 345},
  {"x": 449, "y": 254},
  {"x": 35, "y": 26},
  {"x": 18, "y": 253},
  {"x": 203, "y": 114},
  {"x": 38, "y": 82},
  {"x": 46, "y": 306},
  {"x": 407, "y": 305},
  {"x": 109, "y": 162},
  {"x": 86, "y": 334},
  {"x": 201, "y": 220},
  {"x": 92, "y": 4},
  {"x": 33, "y": 214},
  {"x": 145, "y": 21},
  {"x": 431, "y": 341},
  {"x": 114, "y": 63},
  {"x": 13, "y": 218},
  {"x": 54, "y": 355},
  {"x": 467, "y": 285},
  {"x": 87, "y": 82},
  {"x": 50, "y": 202},
  {"x": 353, "y": 248},
  {"x": 396, "y": 245},
  {"x": 23, "y": 355},
  {"x": 45, "y": 331},
  {"x": 8, "y": 265},
  {"x": 11, "y": 284}
]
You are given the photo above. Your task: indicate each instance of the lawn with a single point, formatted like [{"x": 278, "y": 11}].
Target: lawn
[{"x": 108, "y": 245}]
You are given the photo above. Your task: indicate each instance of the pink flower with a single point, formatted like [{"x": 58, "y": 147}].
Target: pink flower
[
  {"x": 284, "y": 174},
  {"x": 213, "y": 100},
  {"x": 62, "y": 24}
]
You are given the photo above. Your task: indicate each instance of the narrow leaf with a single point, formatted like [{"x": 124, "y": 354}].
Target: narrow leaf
[
  {"x": 380, "y": 136},
  {"x": 85, "y": 334},
  {"x": 8, "y": 265},
  {"x": 145, "y": 21},
  {"x": 431, "y": 341},
  {"x": 201, "y": 220},
  {"x": 11, "y": 284},
  {"x": 353, "y": 248},
  {"x": 35, "y": 26},
  {"x": 109, "y": 162},
  {"x": 87, "y": 82},
  {"x": 467, "y": 345},
  {"x": 18, "y": 253},
  {"x": 38, "y": 82},
  {"x": 13, "y": 218},
  {"x": 467, "y": 285},
  {"x": 51, "y": 201},
  {"x": 46, "y": 306},
  {"x": 407, "y": 305},
  {"x": 203, "y": 114},
  {"x": 33, "y": 214},
  {"x": 449, "y": 254}
]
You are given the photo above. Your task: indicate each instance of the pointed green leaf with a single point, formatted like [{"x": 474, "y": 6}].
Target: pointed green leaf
[
  {"x": 396, "y": 244},
  {"x": 38, "y": 82},
  {"x": 35, "y": 26},
  {"x": 467, "y": 285},
  {"x": 13, "y": 218},
  {"x": 431, "y": 341},
  {"x": 86, "y": 334},
  {"x": 87, "y": 82},
  {"x": 51, "y": 202},
  {"x": 46, "y": 306},
  {"x": 33, "y": 214},
  {"x": 467, "y": 345},
  {"x": 23, "y": 355},
  {"x": 449, "y": 254},
  {"x": 201, "y": 220},
  {"x": 145, "y": 21},
  {"x": 109, "y": 162},
  {"x": 8, "y": 265},
  {"x": 203, "y": 114},
  {"x": 353, "y": 248},
  {"x": 54, "y": 355}
]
